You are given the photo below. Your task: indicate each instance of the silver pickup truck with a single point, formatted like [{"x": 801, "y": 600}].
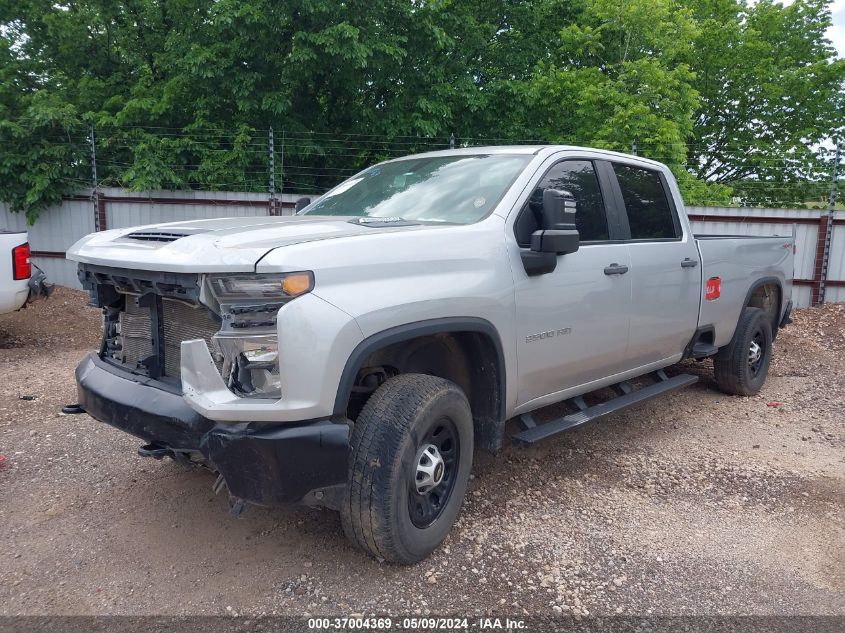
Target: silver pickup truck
[{"x": 354, "y": 356}]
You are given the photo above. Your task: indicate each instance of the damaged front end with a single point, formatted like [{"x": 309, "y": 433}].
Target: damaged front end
[
  {"x": 150, "y": 317},
  {"x": 172, "y": 338}
]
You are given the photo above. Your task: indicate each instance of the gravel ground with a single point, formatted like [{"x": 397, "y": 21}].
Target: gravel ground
[{"x": 697, "y": 503}]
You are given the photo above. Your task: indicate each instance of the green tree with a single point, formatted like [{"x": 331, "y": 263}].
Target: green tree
[
  {"x": 619, "y": 78},
  {"x": 181, "y": 93},
  {"x": 770, "y": 92},
  {"x": 40, "y": 145}
]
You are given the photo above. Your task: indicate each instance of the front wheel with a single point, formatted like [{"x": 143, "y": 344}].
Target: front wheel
[
  {"x": 410, "y": 459},
  {"x": 741, "y": 366}
]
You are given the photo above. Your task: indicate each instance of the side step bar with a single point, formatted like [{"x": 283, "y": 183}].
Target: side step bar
[
  {"x": 533, "y": 432},
  {"x": 703, "y": 350}
]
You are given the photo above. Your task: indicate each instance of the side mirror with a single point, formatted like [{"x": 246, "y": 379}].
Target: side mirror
[
  {"x": 558, "y": 234},
  {"x": 302, "y": 203}
]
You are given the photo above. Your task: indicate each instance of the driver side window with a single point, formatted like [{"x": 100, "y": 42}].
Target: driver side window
[{"x": 578, "y": 177}]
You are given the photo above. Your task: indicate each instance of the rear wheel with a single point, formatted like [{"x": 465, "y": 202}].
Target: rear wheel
[
  {"x": 410, "y": 459},
  {"x": 741, "y": 366}
]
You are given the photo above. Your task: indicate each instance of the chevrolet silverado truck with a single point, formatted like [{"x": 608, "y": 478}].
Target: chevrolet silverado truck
[
  {"x": 18, "y": 282},
  {"x": 354, "y": 355}
]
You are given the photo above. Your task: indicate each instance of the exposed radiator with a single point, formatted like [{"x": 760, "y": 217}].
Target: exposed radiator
[
  {"x": 136, "y": 339},
  {"x": 184, "y": 323},
  {"x": 181, "y": 322}
]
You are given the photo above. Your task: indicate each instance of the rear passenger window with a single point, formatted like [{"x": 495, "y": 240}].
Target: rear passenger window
[
  {"x": 578, "y": 178},
  {"x": 649, "y": 213}
]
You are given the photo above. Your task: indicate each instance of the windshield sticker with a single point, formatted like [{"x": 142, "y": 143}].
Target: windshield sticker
[{"x": 343, "y": 187}]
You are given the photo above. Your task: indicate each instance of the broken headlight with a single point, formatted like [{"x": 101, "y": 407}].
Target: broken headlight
[
  {"x": 250, "y": 364},
  {"x": 246, "y": 347}
]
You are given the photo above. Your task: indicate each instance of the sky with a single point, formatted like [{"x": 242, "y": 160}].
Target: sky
[{"x": 836, "y": 33}]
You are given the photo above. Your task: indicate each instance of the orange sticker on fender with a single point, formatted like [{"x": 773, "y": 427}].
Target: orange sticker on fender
[{"x": 713, "y": 289}]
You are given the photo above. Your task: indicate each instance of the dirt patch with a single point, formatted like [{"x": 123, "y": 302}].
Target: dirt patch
[
  {"x": 63, "y": 322},
  {"x": 824, "y": 326},
  {"x": 697, "y": 503},
  {"x": 8, "y": 341}
]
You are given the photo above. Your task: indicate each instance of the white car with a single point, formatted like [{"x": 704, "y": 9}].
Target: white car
[{"x": 15, "y": 271}]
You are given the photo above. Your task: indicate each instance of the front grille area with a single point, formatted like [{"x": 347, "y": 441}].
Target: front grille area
[
  {"x": 146, "y": 316},
  {"x": 184, "y": 323},
  {"x": 180, "y": 322},
  {"x": 136, "y": 337}
]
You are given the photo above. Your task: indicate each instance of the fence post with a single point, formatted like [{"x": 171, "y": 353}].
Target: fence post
[
  {"x": 282, "y": 176},
  {"x": 452, "y": 141},
  {"x": 634, "y": 147},
  {"x": 824, "y": 264},
  {"x": 98, "y": 203},
  {"x": 272, "y": 184}
]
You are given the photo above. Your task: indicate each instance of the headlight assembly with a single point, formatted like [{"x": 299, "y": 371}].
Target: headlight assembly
[
  {"x": 246, "y": 346},
  {"x": 257, "y": 288}
]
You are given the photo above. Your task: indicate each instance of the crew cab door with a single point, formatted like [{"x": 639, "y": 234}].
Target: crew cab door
[
  {"x": 665, "y": 266},
  {"x": 572, "y": 323}
]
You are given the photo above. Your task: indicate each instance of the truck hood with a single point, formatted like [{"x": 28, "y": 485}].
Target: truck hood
[{"x": 214, "y": 245}]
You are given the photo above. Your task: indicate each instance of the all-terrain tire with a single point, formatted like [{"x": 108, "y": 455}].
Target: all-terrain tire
[
  {"x": 733, "y": 367},
  {"x": 387, "y": 443}
]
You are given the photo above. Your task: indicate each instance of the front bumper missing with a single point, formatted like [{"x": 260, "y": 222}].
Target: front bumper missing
[{"x": 265, "y": 464}]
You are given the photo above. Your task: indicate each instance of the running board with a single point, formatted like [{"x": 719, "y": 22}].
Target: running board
[
  {"x": 533, "y": 432},
  {"x": 702, "y": 350}
]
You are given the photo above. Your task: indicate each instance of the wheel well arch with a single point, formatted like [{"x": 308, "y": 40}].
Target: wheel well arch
[
  {"x": 767, "y": 294},
  {"x": 467, "y": 351}
]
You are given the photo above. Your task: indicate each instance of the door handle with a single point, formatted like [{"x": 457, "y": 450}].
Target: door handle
[
  {"x": 615, "y": 269},
  {"x": 689, "y": 263}
]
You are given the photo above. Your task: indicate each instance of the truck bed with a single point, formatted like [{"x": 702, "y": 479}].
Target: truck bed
[{"x": 739, "y": 260}]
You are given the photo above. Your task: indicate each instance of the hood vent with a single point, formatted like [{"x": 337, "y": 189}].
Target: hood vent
[{"x": 156, "y": 236}]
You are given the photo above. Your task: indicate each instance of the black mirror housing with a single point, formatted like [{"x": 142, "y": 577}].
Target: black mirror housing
[
  {"x": 302, "y": 203},
  {"x": 558, "y": 234},
  {"x": 555, "y": 241},
  {"x": 558, "y": 209}
]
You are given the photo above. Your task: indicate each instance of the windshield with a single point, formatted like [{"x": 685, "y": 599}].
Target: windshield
[{"x": 455, "y": 189}]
